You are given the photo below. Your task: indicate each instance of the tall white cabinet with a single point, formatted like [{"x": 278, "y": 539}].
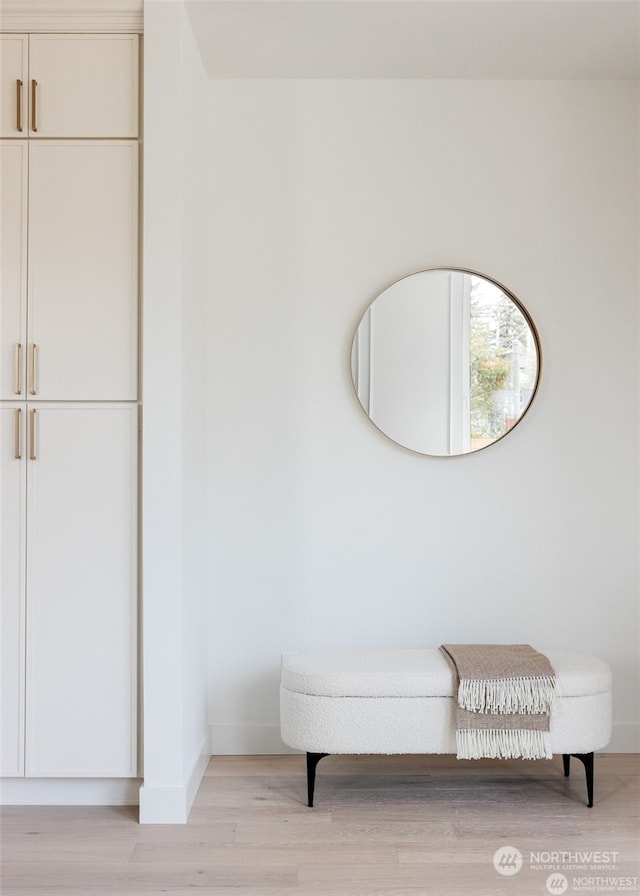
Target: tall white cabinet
[{"x": 68, "y": 404}]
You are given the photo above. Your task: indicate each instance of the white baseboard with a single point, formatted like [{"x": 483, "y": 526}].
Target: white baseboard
[
  {"x": 625, "y": 738},
  {"x": 171, "y": 805},
  {"x": 257, "y": 740},
  {"x": 199, "y": 768},
  {"x": 69, "y": 791},
  {"x": 247, "y": 740}
]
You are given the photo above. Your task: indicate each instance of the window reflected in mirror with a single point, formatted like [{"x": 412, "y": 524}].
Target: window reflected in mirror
[{"x": 445, "y": 362}]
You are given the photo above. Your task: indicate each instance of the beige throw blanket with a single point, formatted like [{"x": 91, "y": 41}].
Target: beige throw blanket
[{"x": 505, "y": 695}]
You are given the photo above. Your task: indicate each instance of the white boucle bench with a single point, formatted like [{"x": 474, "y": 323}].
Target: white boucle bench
[{"x": 403, "y": 701}]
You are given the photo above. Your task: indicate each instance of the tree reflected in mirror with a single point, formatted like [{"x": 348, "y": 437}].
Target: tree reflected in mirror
[{"x": 502, "y": 362}]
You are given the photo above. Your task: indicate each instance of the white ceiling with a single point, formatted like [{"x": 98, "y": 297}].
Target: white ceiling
[{"x": 418, "y": 38}]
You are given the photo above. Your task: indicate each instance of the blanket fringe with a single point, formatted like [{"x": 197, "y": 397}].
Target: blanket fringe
[
  {"x": 507, "y": 695},
  {"x": 491, "y": 743}
]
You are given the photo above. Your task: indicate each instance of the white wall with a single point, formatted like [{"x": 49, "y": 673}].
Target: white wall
[
  {"x": 322, "y": 533},
  {"x": 176, "y": 741}
]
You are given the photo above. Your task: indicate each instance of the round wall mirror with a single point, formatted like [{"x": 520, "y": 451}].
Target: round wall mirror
[{"x": 445, "y": 362}]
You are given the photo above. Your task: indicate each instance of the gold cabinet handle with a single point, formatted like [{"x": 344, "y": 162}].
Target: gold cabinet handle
[
  {"x": 34, "y": 116},
  {"x": 32, "y": 436},
  {"x": 17, "y": 452},
  {"x": 32, "y": 369},
  {"x": 19, "y": 105},
  {"x": 17, "y": 373}
]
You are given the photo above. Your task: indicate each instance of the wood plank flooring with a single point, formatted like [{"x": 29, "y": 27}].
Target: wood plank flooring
[{"x": 382, "y": 826}]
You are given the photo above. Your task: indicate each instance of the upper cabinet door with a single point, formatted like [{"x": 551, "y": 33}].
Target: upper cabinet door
[
  {"x": 13, "y": 267},
  {"x": 83, "y": 85},
  {"x": 14, "y": 49},
  {"x": 82, "y": 270}
]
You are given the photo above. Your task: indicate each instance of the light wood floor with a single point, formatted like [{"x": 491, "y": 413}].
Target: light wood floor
[{"x": 382, "y": 826}]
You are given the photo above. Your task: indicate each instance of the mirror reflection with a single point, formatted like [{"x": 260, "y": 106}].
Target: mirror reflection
[{"x": 445, "y": 362}]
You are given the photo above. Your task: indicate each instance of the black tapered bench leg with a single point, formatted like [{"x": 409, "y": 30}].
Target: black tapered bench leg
[
  {"x": 587, "y": 760},
  {"x": 312, "y": 760}
]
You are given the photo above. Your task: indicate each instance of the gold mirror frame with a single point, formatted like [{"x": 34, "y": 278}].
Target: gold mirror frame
[{"x": 446, "y": 361}]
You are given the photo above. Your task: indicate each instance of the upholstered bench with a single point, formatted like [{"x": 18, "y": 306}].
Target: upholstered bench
[{"x": 403, "y": 701}]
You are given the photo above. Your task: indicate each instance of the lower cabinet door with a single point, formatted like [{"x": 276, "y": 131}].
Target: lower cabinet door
[
  {"x": 81, "y": 591},
  {"x": 12, "y": 522}
]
